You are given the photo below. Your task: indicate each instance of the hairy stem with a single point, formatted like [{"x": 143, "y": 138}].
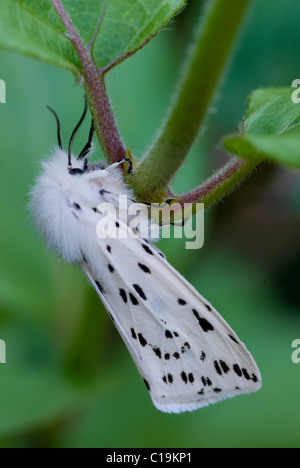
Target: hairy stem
[
  {"x": 221, "y": 183},
  {"x": 104, "y": 120},
  {"x": 217, "y": 32}
]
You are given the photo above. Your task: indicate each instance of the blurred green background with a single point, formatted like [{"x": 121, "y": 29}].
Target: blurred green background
[{"x": 69, "y": 380}]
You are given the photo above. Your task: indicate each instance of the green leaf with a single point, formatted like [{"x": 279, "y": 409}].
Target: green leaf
[
  {"x": 126, "y": 24},
  {"x": 33, "y": 27},
  {"x": 270, "y": 128},
  {"x": 271, "y": 111},
  {"x": 283, "y": 148}
]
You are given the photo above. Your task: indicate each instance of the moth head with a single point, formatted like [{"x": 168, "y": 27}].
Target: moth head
[
  {"x": 85, "y": 151},
  {"x": 80, "y": 165}
]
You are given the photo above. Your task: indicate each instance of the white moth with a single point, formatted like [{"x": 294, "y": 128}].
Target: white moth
[{"x": 184, "y": 350}]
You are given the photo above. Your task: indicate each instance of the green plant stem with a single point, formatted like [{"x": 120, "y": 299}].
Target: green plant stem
[
  {"x": 221, "y": 183},
  {"x": 217, "y": 32}
]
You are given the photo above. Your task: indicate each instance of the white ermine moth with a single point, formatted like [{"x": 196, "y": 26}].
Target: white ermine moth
[{"x": 184, "y": 350}]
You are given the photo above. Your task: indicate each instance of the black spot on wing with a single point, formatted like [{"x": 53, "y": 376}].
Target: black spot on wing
[
  {"x": 168, "y": 334},
  {"x": 221, "y": 367},
  {"x": 184, "y": 377},
  {"x": 108, "y": 248},
  {"x": 185, "y": 347},
  {"x": 170, "y": 378},
  {"x": 140, "y": 291},
  {"x": 133, "y": 334},
  {"x": 144, "y": 268},
  {"x": 99, "y": 286},
  {"x": 191, "y": 377},
  {"x": 181, "y": 302},
  {"x": 157, "y": 351},
  {"x": 218, "y": 368},
  {"x": 233, "y": 339},
  {"x": 176, "y": 355},
  {"x": 217, "y": 390},
  {"x": 167, "y": 356},
  {"x": 123, "y": 295},
  {"x": 203, "y": 356},
  {"x": 238, "y": 370},
  {"x": 133, "y": 299},
  {"x": 225, "y": 367},
  {"x": 147, "y": 249},
  {"x": 111, "y": 268},
  {"x": 147, "y": 385},
  {"x": 142, "y": 340},
  {"x": 206, "y": 381},
  {"x": 209, "y": 308},
  {"x": 201, "y": 392},
  {"x": 76, "y": 206},
  {"x": 117, "y": 224},
  {"x": 204, "y": 324},
  {"x": 246, "y": 374}
]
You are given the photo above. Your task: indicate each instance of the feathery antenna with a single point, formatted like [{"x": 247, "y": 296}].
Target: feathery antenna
[
  {"x": 88, "y": 146},
  {"x": 74, "y": 134},
  {"x": 58, "y": 126}
]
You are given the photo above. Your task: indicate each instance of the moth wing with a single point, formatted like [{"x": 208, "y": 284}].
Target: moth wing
[{"x": 186, "y": 353}]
